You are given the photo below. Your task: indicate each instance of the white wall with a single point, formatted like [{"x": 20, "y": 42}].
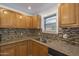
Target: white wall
[{"x": 48, "y": 12}]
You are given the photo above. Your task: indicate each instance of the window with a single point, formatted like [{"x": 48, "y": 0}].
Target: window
[{"x": 50, "y": 23}]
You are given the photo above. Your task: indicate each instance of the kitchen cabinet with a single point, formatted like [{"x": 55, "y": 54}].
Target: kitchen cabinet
[
  {"x": 44, "y": 51},
  {"x": 23, "y": 21},
  {"x": 20, "y": 21},
  {"x": 28, "y": 21},
  {"x": 22, "y": 48},
  {"x": 68, "y": 15},
  {"x": 7, "y": 18},
  {"x": 8, "y": 50},
  {"x": 15, "y": 49},
  {"x": 36, "y": 22},
  {"x": 10, "y": 19},
  {"x": 36, "y": 49}
]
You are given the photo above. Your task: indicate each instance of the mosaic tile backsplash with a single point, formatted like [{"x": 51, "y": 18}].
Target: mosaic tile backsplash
[
  {"x": 16, "y": 34},
  {"x": 72, "y": 35}
]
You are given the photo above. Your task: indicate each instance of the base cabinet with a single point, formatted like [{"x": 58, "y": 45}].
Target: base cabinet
[
  {"x": 24, "y": 48},
  {"x": 39, "y": 49},
  {"x": 8, "y": 52},
  {"x": 35, "y": 49}
]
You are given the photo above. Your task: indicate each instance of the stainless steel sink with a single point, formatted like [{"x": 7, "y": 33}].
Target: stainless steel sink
[{"x": 41, "y": 40}]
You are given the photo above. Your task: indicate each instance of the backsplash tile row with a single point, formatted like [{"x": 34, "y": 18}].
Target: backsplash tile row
[
  {"x": 72, "y": 35},
  {"x": 16, "y": 34}
]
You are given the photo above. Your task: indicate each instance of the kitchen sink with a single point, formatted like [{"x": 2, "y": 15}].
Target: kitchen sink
[{"x": 41, "y": 40}]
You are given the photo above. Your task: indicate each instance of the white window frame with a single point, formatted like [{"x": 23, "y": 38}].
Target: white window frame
[{"x": 42, "y": 25}]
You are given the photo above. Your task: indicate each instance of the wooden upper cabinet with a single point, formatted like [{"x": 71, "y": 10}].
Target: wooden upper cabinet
[
  {"x": 28, "y": 21},
  {"x": 20, "y": 21},
  {"x": 68, "y": 14},
  {"x": 36, "y": 21},
  {"x": 23, "y": 21},
  {"x": 77, "y": 14},
  {"x": 7, "y": 18},
  {"x": 10, "y": 19}
]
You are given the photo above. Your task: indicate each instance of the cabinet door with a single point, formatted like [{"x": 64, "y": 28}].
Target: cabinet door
[
  {"x": 28, "y": 22},
  {"x": 22, "y": 49},
  {"x": 36, "y": 21},
  {"x": 67, "y": 14},
  {"x": 39, "y": 49},
  {"x": 7, "y": 18},
  {"x": 77, "y": 13},
  {"x": 9, "y": 51},
  {"x": 43, "y": 50},
  {"x": 20, "y": 19},
  {"x": 35, "y": 49}
]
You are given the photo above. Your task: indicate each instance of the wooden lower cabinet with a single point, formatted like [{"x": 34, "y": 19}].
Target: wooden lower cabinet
[
  {"x": 15, "y": 49},
  {"x": 7, "y": 50},
  {"x": 21, "y": 50},
  {"x": 43, "y": 50},
  {"x": 24, "y": 48},
  {"x": 39, "y": 49},
  {"x": 35, "y": 49}
]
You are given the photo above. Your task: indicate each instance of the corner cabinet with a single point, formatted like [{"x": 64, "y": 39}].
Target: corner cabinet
[
  {"x": 39, "y": 49},
  {"x": 24, "y": 48},
  {"x": 68, "y": 15},
  {"x": 36, "y": 22}
]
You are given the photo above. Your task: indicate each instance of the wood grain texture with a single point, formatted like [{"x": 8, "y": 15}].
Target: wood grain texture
[{"x": 68, "y": 15}]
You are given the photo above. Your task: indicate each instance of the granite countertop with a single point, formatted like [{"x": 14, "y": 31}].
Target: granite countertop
[
  {"x": 10, "y": 42},
  {"x": 58, "y": 45}
]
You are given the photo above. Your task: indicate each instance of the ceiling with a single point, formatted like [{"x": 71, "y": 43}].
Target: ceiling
[{"x": 36, "y": 8}]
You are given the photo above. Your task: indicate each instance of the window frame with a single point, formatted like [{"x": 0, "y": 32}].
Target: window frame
[{"x": 44, "y": 27}]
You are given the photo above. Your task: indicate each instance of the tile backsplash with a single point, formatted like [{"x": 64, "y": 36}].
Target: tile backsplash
[
  {"x": 72, "y": 35},
  {"x": 16, "y": 34}
]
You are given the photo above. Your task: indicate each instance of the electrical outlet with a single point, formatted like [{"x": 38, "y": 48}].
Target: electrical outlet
[{"x": 65, "y": 36}]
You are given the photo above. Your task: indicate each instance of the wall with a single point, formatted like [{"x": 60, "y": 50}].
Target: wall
[
  {"x": 72, "y": 33},
  {"x": 48, "y": 12}
]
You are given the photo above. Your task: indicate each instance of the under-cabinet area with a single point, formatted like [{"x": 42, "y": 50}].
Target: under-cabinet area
[{"x": 39, "y": 29}]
